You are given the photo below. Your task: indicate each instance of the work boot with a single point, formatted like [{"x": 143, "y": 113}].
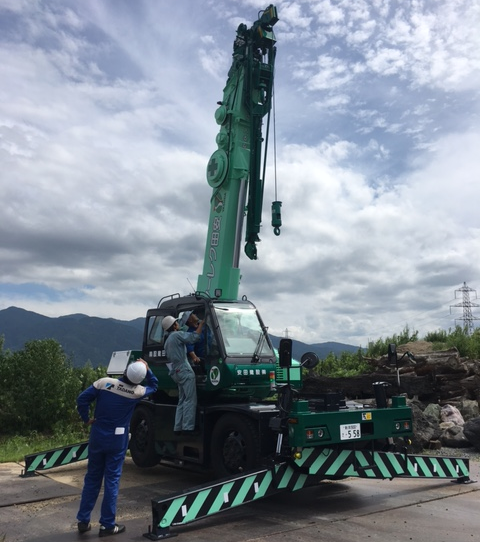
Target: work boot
[
  {"x": 83, "y": 527},
  {"x": 114, "y": 530}
]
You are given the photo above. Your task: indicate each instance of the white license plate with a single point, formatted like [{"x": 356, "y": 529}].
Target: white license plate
[{"x": 350, "y": 432}]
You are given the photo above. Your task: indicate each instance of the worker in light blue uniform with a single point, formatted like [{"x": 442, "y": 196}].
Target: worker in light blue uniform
[
  {"x": 182, "y": 373},
  {"x": 115, "y": 400}
]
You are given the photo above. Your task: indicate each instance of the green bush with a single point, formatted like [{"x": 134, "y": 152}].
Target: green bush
[
  {"x": 437, "y": 337},
  {"x": 380, "y": 347},
  {"x": 36, "y": 387},
  {"x": 345, "y": 365},
  {"x": 39, "y": 387},
  {"x": 467, "y": 345}
]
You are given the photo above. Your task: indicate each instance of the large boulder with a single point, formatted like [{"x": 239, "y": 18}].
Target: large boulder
[
  {"x": 469, "y": 409},
  {"x": 435, "y": 426},
  {"x": 453, "y": 436},
  {"x": 451, "y": 414},
  {"x": 471, "y": 430},
  {"x": 425, "y": 429},
  {"x": 433, "y": 410}
]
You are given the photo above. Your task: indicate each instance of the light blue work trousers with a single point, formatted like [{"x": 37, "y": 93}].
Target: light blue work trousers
[{"x": 184, "y": 377}]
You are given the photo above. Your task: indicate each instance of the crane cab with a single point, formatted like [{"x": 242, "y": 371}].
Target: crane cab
[{"x": 237, "y": 357}]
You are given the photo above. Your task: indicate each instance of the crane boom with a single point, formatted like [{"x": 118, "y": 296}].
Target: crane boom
[{"x": 234, "y": 169}]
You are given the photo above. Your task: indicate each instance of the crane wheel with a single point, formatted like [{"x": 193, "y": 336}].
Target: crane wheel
[
  {"x": 235, "y": 445},
  {"x": 142, "y": 441}
]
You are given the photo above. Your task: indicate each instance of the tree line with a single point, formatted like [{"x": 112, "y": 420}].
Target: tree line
[
  {"x": 350, "y": 364},
  {"x": 39, "y": 387}
]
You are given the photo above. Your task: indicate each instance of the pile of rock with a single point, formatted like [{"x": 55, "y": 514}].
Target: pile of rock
[{"x": 435, "y": 426}]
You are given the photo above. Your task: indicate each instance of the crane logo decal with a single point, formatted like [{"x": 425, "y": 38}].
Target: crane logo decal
[
  {"x": 217, "y": 168},
  {"x": 214, "y": 376}
]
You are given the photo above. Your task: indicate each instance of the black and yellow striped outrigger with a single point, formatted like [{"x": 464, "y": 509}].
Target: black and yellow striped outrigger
[
  {"x": 55, "y": 458},
  {"x": 315, "y": 465}
]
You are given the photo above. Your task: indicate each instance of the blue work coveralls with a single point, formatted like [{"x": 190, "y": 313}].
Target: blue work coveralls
[
  {"x": 200, "y": 347},
  {"x": 115, "y": 402},
  {"x": 182, "y": 374}
]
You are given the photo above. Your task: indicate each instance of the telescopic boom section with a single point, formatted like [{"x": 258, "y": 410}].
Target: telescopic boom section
[{"x": 234, "y": 169}]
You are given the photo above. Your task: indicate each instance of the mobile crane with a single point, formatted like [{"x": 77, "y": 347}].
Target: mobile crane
[
  {"x": 239, "y": 369},
  {"x": 254, "y": 432}
]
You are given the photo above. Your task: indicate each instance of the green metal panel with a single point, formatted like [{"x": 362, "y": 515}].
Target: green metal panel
[
  {"x": 292, "y": 375},
  {"x": 325, "y": 428}
]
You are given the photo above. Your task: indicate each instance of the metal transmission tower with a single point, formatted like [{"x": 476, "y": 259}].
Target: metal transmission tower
[{"x": 467, "y": 305}]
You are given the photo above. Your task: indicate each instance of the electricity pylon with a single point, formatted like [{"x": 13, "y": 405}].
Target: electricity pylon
[{"x": 467, "y": 305}]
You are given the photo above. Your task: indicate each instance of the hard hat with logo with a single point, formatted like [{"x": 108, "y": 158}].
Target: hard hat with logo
[
  {"x": 136, "y": 372},
  {"x": 168, "y": 322}
]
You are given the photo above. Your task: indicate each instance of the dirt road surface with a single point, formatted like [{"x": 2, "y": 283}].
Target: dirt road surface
[{"x": 42, "y": 508}]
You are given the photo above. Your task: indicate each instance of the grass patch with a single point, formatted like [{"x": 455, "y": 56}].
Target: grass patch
[{"x": 14, "y": 448}]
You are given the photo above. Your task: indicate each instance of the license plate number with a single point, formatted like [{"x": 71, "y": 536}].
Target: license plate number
[{"x": 350, "y": 432}]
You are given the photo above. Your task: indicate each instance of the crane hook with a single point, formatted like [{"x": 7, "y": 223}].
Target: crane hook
[{"x": 276, "y": 217}]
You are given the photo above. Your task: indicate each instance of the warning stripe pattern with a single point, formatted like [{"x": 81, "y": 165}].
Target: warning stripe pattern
[
  {"x": 367, "y": 464},
  {"x": 315, "y": 465},
  {"x": 205, "y": 501},
  {"x": 56, "y": 458}
]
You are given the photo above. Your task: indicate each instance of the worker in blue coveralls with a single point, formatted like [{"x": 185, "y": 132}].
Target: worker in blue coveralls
[
  {"x": 191, "y": 321},
  {"x": 115, "y": 401},
  {"x": 182, "y": 373},
  {"x": 196, "y": 352}
]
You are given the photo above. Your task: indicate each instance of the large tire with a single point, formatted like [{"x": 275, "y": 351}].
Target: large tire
[
  {"x": 235, "y": 445},
  {"x": 142, "y": 440}
]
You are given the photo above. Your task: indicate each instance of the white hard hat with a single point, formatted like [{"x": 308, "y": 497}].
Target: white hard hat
[
  {"x": 136, "y": 372},
  {"x": 168, "y": 322}
]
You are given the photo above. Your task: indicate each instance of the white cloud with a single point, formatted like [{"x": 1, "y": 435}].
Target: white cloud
[
  {"x": 329, "y": 73},
  {"x": 107, "y": 124}
]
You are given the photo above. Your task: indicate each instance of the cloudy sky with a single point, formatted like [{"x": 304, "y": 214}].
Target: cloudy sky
[{"x": 107, "y": 124}]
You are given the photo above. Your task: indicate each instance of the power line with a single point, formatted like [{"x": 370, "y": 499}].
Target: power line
[{"x": 467, "y": 305}]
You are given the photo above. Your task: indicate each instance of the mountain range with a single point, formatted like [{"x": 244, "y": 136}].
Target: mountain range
[{"x": 88, "y": 338}]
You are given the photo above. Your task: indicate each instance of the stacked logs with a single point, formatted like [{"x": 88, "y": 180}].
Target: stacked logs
[{"x": 432, "y": 377}]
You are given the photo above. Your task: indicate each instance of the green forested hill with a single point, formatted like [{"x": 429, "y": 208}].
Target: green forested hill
[
  {"x": 82, "y": 337},
  {"x": 87, "y": 338}
]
